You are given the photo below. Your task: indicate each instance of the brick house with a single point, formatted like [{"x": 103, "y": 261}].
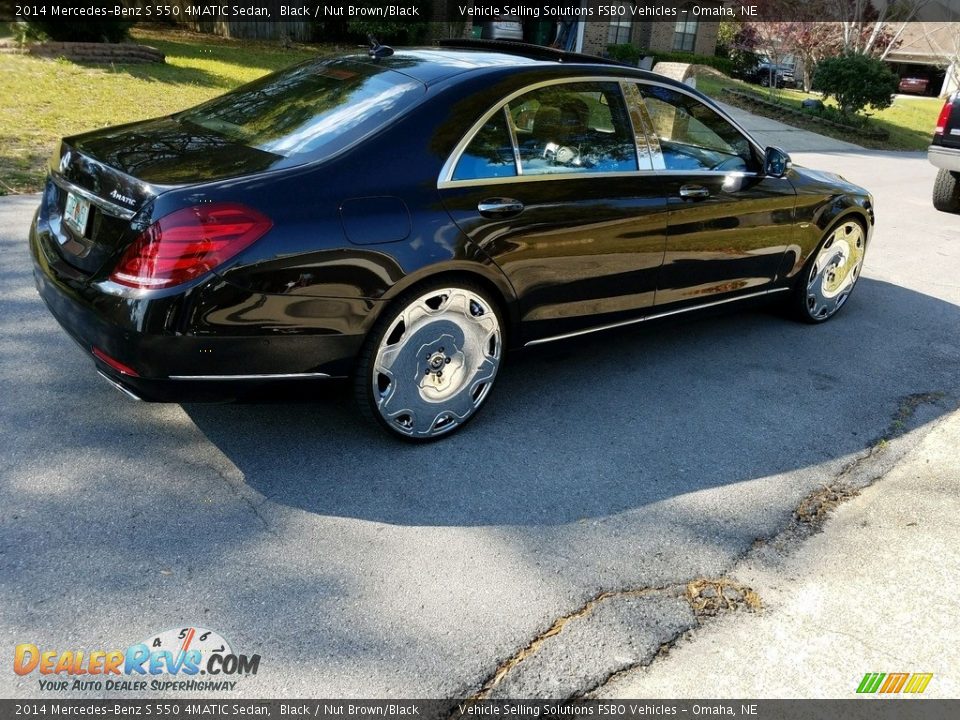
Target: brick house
[{"x": 689, "y": 33}]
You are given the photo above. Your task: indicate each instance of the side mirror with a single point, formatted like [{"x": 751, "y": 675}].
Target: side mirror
[{"x": 776, "y": 162}]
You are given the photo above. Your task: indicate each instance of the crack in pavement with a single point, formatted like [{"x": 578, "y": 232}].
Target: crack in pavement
[
  {"x": 555, "y": 629},
  {"x": 704, "y": 598},
  {"x": 237, "y": 492}
]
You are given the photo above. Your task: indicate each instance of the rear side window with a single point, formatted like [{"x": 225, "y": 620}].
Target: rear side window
[
  {"x": 310, "y": 110},
  {"x": 489, "y": 154}
]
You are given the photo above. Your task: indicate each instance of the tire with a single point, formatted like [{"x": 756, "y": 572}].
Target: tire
[
  {"x": 430, "y": 360},
  {"x": 946, "y": 192},
  {"x": 828, "y": 279}
]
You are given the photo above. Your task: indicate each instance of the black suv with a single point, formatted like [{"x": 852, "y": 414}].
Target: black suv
[{"x": 944, "y": 152}]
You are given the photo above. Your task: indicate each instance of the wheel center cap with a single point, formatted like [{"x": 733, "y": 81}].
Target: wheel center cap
[{"x": 437, "y": 361}]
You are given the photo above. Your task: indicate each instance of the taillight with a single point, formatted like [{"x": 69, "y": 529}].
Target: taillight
[
  {"x": 188, "y": 243},
  {"x": 944, "y": 118}
]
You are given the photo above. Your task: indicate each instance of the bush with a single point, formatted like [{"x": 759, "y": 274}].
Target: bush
[
  {"x": 77, "y": 31},
  {"x": 631, "y": 55},
  {"x": 625, "y": 53},
  {"x": 856, "y": 81},
  {"x": 828, "y": 112}
]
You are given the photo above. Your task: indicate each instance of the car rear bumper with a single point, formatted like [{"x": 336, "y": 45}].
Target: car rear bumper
[
  {"x": 167, "y": 365},
  {"x": 944, "y": 158}
]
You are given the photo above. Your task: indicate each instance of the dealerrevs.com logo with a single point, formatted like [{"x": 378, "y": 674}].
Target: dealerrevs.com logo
[{"x": 183, "y": 659}]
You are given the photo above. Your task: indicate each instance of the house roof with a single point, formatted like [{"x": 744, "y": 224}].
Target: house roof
[{"x": 928, "y": 42}]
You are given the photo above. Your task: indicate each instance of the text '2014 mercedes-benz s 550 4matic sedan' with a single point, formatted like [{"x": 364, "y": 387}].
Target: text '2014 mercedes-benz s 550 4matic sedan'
[{"x": 404, "y": 218}]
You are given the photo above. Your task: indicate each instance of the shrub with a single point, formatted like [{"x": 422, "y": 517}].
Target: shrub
[
  {"x": 78, "y": 31},
  {"x": 625, "y": 53},
  {"x": 856, "y": 81},
  {"x": 828, "y": 112}
]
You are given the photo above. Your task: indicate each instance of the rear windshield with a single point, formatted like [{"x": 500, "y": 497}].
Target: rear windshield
[{"x": 310, "y": 110}]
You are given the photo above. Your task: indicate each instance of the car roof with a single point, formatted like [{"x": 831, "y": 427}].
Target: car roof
[{"x": 430, "y": 65}]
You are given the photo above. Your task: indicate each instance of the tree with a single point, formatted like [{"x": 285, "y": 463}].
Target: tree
[
  {"x": 856, "y": 81},
  {"x": 737, "y": 41},
  {"x": 867, "y": 30},
  {"x": 812, "y": 41},
  {"x": 773, "y": 41}
]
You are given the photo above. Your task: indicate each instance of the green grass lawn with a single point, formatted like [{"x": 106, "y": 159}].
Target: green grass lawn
[
  {"x": 44, "y": 100},
  {"x": 909, "y": 121}
]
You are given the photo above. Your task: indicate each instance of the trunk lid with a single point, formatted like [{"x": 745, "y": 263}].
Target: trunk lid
[{"x": 101, "y": 182}]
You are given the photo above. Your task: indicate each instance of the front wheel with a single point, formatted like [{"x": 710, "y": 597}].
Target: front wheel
[
  {"x": 431, "y": 361},
  {"x": 830, "y": 276}
]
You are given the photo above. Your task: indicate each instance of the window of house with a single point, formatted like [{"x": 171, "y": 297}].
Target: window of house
[
  {"x": 618, "y": 33},
  {"x": 685, "y": 31}
]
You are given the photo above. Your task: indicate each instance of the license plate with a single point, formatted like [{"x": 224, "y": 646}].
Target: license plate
[{"x": 76, "y": 213}]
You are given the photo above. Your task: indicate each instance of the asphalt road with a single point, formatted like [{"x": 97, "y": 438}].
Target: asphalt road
[{"x": 358, "y": 566}]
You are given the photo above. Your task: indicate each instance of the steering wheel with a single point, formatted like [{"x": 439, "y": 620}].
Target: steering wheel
[{"x": 561, "y": 154}]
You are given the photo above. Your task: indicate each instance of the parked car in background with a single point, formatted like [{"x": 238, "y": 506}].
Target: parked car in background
[
  {"x": 505, "y": 27},
  {"x": 944, "y": 153},
  {"x": 768, "y": 73},
  {"x": 914, "y": 84},
  {"x": 403, "y": 219}
]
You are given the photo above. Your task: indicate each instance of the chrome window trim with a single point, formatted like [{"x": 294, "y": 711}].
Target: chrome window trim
[
  {"x": 445, "y": 179},
  {"x": 653, "y": 140},
  {"x": 509, "y": 180},
  {"x": 655, "y": 316},
  {"x": 105, "y": 205},
  {"x": 637, "y": 126},
  {"x": 512, "y": 131}
]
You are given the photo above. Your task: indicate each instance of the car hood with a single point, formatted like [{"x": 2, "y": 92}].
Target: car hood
[
  {"x": 827, "y": 183},
  {"x": 167, "y": 151}
]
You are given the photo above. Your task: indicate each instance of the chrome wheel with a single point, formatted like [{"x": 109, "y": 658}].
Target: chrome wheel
[
  {"x": 835, "y": 270},
  {"x": 436, "y": 362}
]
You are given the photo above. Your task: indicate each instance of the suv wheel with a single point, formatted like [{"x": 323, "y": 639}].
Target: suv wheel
[{"x": 946, "y": 192}]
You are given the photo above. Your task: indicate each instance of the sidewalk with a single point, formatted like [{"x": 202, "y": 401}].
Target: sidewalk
[
  {"x": 876, "y": 591},
  {"x": 772, "y": 132}
]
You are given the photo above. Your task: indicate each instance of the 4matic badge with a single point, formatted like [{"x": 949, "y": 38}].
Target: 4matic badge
[
  {"x": 182, "y": 652},
  {"x": 122, "y": 198}
]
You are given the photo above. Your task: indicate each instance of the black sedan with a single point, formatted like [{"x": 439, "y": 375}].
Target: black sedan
[{"x": 405, "y": 218}]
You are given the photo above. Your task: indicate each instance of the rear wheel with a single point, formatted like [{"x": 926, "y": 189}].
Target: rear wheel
[
  {"x": 832, "y": 273},
  {"x": 946, "y": 192},
  {"x": 431, "y": 361}
]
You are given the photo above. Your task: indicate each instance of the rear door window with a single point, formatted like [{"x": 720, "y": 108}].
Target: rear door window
[{"x": 574, "y": 128}]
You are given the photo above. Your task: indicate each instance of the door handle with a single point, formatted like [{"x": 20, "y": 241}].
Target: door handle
[
  {"x": 694, "y": 192},
  {"x": 500, "y": 207}
]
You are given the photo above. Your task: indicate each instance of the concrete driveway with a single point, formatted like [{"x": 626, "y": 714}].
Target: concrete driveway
[{"x": 634, "y": 462}]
